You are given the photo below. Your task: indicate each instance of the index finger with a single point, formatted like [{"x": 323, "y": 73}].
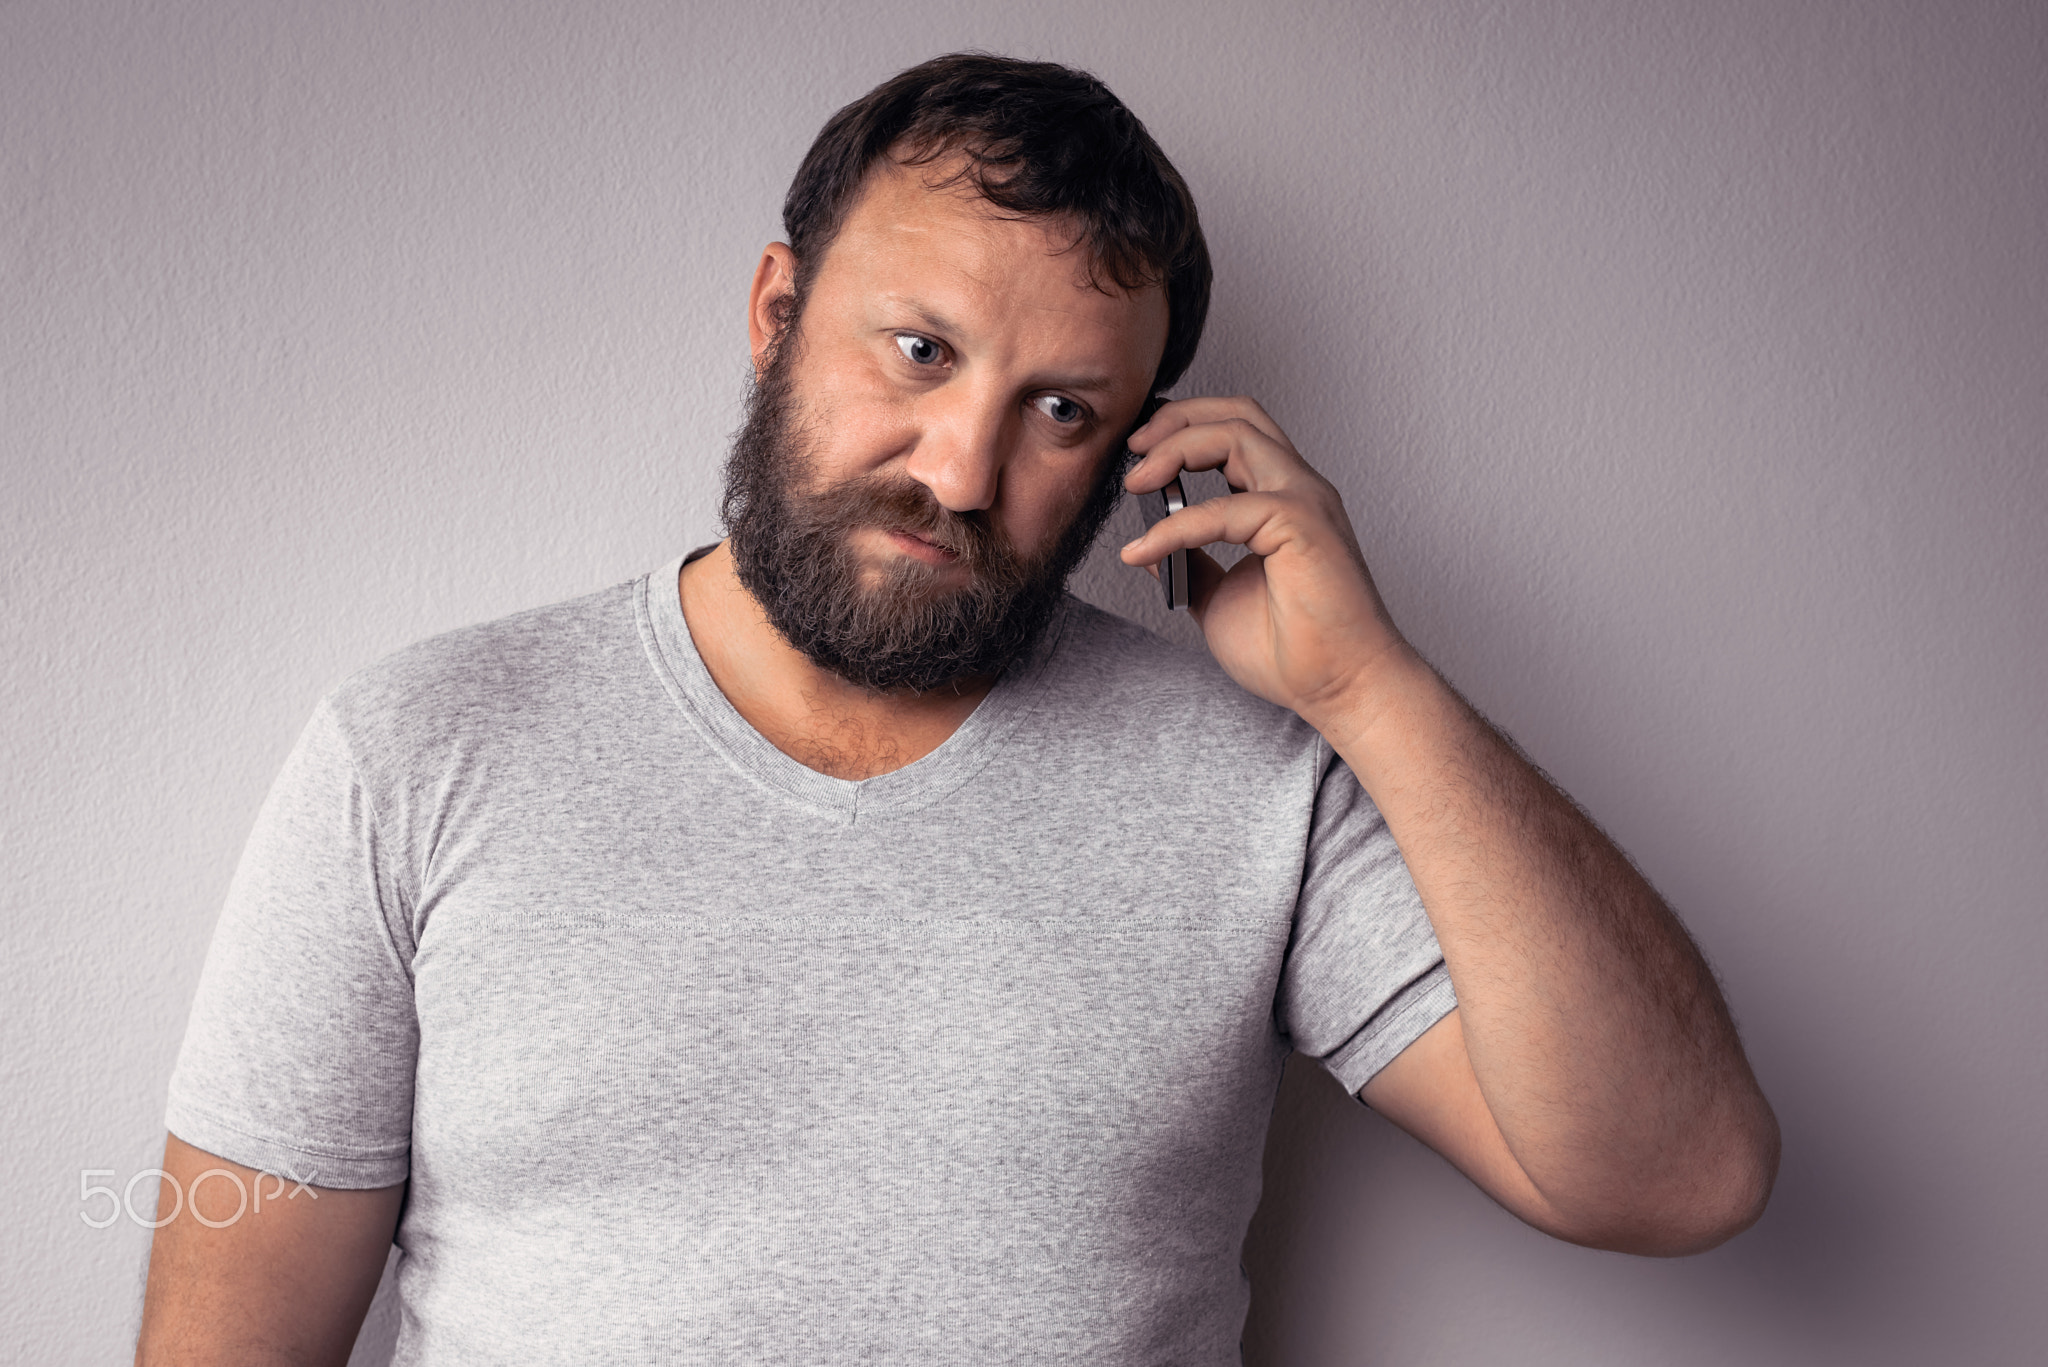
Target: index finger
[{"x": 1180, "y": 413}]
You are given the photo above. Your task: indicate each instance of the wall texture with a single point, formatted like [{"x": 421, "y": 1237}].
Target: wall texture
[{"x": 1682, "y": 364}]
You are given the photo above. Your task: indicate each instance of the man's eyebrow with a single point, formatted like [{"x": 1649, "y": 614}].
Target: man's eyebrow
[
  {"x": 930, "y": 317},
  {"x": 1087, "y": 383}
]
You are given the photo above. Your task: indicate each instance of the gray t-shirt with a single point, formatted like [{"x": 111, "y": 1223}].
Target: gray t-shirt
[{"x": 693, "y": 1054}]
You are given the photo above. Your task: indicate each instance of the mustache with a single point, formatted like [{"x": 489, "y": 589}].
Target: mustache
[{"x": 900, "y": 504}]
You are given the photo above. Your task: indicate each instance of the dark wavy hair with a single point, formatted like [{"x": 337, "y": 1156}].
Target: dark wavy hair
[{"x": 1039, "y": 140}]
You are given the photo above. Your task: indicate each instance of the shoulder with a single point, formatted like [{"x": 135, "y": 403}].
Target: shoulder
[
  {"x": 478, "y": 678},
  {"x": 1114, "y": 655},
  {"x": 1126, "y": 679}
]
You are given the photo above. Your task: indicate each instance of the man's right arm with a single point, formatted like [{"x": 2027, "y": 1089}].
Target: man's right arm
[{"x": 286, "y": 1280}]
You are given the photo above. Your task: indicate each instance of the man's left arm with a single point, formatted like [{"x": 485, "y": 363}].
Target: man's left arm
[{"x": 1590, "y": 1079}]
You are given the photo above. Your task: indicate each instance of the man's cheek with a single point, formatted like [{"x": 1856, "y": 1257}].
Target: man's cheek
[
  {"x": 858, "y": 427},
  {"x": 1066, "y": 496}
]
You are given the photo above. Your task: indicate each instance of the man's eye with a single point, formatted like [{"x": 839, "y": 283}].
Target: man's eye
[
  {"x": 917, "y": 350},
  {"x": 1058, "y": 407}
]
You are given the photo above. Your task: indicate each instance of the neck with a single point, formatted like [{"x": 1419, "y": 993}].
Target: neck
[{"x": 810, "y": 714}]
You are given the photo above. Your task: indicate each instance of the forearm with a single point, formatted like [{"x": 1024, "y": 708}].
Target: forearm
[{"x": 1595, "y": 1031}]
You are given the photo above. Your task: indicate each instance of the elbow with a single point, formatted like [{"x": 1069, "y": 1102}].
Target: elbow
[
  {"x": 1721, "y": 1191},
  {"x": 1744, "y": 1177},
  {"x": 1735, "y": 1201},
  {"x": 1754, "y": 1173}
]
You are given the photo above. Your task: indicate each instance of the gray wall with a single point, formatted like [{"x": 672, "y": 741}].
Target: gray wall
[{"x": 1682, "y": 364}]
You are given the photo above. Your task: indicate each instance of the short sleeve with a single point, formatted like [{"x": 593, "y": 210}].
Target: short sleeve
[
  {"x": 299, "y": 1055},
  {"x": 1363, "y": 976}
]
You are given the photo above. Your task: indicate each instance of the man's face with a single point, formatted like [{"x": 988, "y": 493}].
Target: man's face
[{"x": 929, "y": 452}]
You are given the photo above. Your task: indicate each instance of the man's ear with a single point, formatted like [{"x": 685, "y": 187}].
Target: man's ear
[{"x": 771, "y": 300}]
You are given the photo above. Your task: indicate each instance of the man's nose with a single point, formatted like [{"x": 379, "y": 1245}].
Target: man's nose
[{"x": 960, "y": 449}]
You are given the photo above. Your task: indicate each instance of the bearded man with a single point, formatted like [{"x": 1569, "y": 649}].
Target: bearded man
[{"x": 841, "y": 945}]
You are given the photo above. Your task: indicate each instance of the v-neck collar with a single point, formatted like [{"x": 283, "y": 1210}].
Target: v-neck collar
[{"x": 674, "y": 656}]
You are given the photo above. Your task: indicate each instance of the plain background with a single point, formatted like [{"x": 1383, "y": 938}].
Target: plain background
[{"x": 1685, "y": 368}]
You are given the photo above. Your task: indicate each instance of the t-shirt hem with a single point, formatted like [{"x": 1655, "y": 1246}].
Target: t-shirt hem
[
  {"x": 1399, "y": 1024},
  {"x": 315, "y": 1165}
]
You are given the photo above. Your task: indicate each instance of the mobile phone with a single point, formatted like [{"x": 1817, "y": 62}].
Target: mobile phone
[
  {"x": 1162, "y": 503},
  {"x": 1173, "y": 570}
]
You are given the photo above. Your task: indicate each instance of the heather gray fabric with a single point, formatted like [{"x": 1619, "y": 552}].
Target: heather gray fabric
[{"x": 693, "y": 1054}]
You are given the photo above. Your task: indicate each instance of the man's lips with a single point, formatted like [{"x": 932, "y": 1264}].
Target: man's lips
[{"x": 917, "y": 548}]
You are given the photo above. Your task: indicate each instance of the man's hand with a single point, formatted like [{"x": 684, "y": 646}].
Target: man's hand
[
  {"x": 283, "y": 1277},
  {"x": 1590, "y": 1079},
  {"x": 1298, "y": 621}
]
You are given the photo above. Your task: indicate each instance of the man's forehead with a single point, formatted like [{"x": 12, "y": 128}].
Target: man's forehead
[
  {"x": 923, "y": 235},
  {"x": 936, "y": 205}
]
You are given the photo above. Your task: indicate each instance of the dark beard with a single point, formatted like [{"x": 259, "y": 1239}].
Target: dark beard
[{"x": 909, "y": 631}]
